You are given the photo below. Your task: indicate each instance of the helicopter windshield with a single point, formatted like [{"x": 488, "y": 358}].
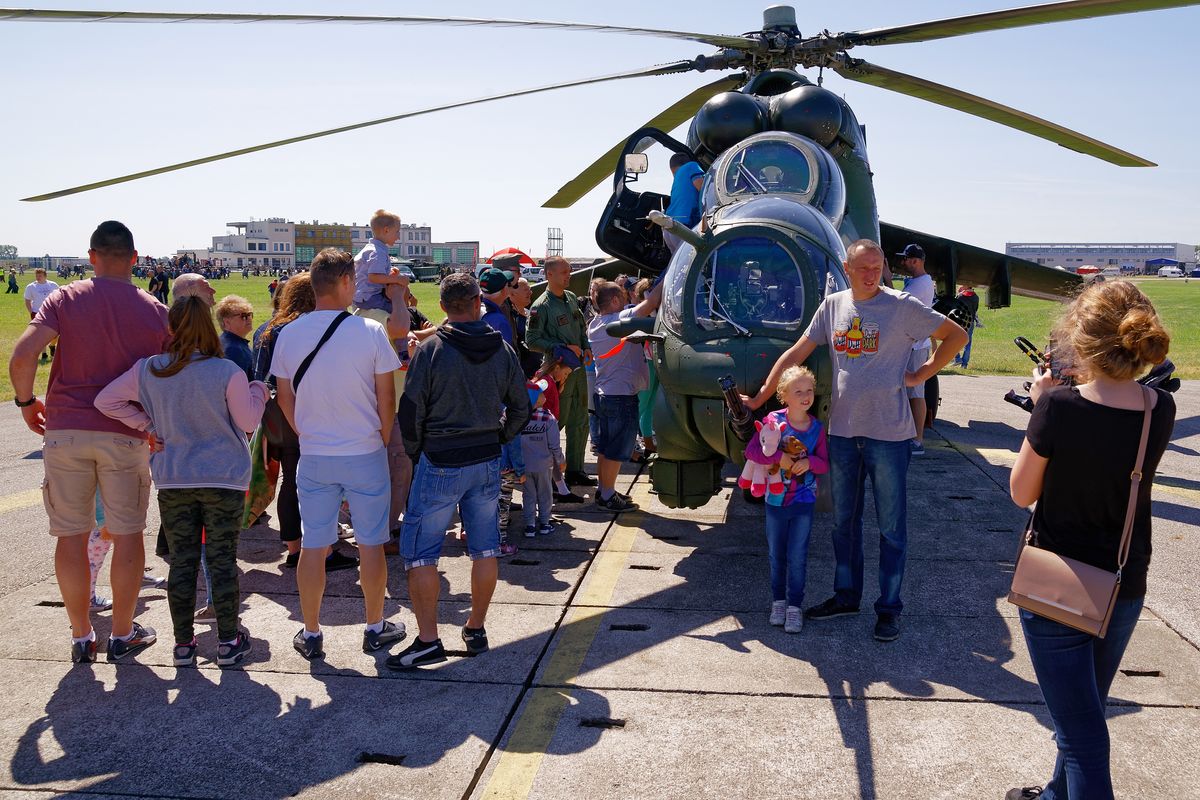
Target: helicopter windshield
[
  {"x": 751, "y": 282},
  {"x": 769, "y": 166}
]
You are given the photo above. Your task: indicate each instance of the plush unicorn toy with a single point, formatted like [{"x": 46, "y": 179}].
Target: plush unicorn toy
[{"x": 760, "y": 478}]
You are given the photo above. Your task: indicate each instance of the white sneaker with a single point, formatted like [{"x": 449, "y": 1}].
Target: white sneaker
[
  {"x": 777, "y": 609},
  {"x": 793, "y": 620}
]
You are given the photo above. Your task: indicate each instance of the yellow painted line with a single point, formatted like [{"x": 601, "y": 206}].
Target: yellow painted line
[
  {"x": 1179, "y": 491},
  {"x": 523, "y": 753},
  {"x": 19, "y": 500}
]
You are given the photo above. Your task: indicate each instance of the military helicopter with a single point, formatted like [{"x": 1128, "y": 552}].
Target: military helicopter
[{"x": 787, "y": 185}]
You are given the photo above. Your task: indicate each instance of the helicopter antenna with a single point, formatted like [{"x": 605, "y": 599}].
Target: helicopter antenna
[{"x": 821, "y": 76}]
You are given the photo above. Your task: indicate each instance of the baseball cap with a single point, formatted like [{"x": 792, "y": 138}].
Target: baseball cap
[
  {"x": 565, "y": 356},
  {"x": 535, "y": 389},
  {"x": 913, "y": 251},
  {"x": 508, "y": 261},
  {"x": 494, "y": 280}
]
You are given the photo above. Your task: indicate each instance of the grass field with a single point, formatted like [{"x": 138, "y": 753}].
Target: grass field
[{"x": 992, "y": 353}]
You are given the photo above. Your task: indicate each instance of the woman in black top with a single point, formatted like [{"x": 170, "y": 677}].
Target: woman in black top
[{"x": 1075, "y": 462}]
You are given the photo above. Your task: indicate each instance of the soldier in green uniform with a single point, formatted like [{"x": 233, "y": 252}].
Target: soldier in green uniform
[{"x": 555, "y": 319}]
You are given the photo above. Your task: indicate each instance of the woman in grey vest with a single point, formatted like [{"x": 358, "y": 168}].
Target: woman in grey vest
[{"x": 198, "y": 408}]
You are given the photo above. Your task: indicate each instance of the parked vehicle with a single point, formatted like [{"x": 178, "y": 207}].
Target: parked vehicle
[{"x": 1170, "y": 272}]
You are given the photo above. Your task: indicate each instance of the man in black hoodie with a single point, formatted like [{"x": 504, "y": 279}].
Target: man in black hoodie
[{"x": 464, "y": 397}]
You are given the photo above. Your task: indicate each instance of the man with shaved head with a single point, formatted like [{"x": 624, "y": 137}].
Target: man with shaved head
[
  {"x": 870, "y": 330},
  {"x": 192, "y": 284}
]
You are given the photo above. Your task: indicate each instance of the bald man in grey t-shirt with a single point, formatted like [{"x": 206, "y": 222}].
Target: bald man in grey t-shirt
[{"x": 870, "y": 331}]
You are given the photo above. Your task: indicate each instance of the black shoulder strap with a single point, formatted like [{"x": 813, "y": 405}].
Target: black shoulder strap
[{"x": 333, "y": 326}]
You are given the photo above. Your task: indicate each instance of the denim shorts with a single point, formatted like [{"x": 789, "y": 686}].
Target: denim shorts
[
  {"x": 364, "y": 481},
  {"x": 435, "y": 493},
  {"x": 616, "y": 425}
]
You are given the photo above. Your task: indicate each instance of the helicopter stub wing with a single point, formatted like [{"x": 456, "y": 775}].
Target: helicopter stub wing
[
  {"x": 671, "y": 117},
  {"x": 952, "y": 264}
]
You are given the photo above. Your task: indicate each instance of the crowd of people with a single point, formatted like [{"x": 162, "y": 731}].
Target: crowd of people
[{"x": 369, "y": 415}]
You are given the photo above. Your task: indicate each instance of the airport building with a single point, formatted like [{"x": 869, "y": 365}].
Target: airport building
[
  {"x": 1129, "y": 257},
  {"x": 313, "y": 237},
  {"x": 455, "y": 254},
  {"x": 266, "y": 243}
]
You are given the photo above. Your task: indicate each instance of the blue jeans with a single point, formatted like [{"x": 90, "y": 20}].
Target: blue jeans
[
  {"x": 788, "y": 528},
  {"x": 851, "y": 462},
  {"x": 435, "y": 493},
  {"x": 1075, "y": 671}
]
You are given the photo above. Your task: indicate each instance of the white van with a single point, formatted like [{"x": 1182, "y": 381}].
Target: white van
[{"x": 1170, "y": 272}]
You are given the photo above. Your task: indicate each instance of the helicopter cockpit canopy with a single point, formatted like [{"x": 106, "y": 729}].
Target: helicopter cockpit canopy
[
  {"x": 771, "y": 262},
  {"x": 777, "y": 163}
]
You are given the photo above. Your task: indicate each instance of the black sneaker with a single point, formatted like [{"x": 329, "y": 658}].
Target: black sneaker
[
  {"x": 340, "y": 560},
  {"x": 829, "y": 609},
  {"x": 83, "y": 652},
  {"x": 292, "y": 560},
  {"x": 579, "y": 479},
  {"x": 392, "y": 632},
  {"x": 141, "y": 639},
  {"x": 418, "y": 654},
  {"x": 545, "y": 530},
  {"x": 569, "y": 497},
  {"x": 309, "y": 646},
  {"x": 231, "y": 654},
  {"x": 531, "y": 531},
  {"x": 887, "y": 628},
  {"x": 1024, "y": 793},
  {"x": 184, "y": 655},
  {"x": 476, "y": 640},
  {"x": 617, "y": 503}
]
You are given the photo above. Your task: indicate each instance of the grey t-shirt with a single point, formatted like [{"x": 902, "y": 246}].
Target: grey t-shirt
[
  {"x": 620, "y": 367},
  {"x": 869, "y": 343}
]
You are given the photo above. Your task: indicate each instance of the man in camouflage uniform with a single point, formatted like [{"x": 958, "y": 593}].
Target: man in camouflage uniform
[{"x": 556, "y": 320}]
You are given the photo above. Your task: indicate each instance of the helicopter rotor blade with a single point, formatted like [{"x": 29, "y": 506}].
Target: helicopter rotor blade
[
  {"x": 1007, "y": 18},
  {"x": 664, "y": 69},
  {"x": 71, "y": 15},
  {"x": 668, "y": 119},
  {"x": 858, "y": 70}
]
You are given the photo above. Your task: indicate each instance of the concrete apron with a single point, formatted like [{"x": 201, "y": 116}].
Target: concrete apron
[{"x": 628, "y": 660}]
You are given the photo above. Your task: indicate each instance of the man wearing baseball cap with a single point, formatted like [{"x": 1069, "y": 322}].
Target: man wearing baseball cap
[{"x": 495, "y": 285}]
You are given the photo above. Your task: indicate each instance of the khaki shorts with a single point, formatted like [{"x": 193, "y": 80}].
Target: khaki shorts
[
  {"x": 79, "y": 462},
  {"x": 916, "y": 360}
]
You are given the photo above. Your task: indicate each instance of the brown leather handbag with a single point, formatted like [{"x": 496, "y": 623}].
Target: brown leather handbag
[{"x": 1067, "y": 591}]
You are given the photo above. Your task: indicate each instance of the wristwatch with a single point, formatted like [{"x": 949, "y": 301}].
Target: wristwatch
[{"x": 25, "y": 403}]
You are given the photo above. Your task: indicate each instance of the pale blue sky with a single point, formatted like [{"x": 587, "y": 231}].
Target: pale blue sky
[{"x": 85, "y": 102}]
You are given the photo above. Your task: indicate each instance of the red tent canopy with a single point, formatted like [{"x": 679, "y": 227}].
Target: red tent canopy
[{"x": 524, "y": 258}]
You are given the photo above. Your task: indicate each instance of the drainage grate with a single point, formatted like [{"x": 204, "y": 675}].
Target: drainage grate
[
  {"x": 52, "y": 604},
  {"x": 959, "y": 497},
  {"x": 601, "y": 722},
  {"x": 380, "y": 758},
  {"x": 650, "y": 567},
  {"x": 999, "y": 530},
  {"x": 632, "y": 626},
  {"x": 1141, "y": 673},
  {"x": 460, "y": 653},
  {"x": 667, "y": 538},
  {"x": 523, "y": 562}
]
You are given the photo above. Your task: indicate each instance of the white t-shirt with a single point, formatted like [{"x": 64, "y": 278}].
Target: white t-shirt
[
  {"x": 921, "y": 288},
  {"x": 336, "y": 412},
  {"x": 36, "y": 293}
]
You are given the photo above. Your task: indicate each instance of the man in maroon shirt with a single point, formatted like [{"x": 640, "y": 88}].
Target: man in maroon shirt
[{"x": 103, "y": 325}]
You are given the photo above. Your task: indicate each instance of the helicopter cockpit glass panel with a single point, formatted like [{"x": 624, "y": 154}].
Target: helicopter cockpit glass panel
[
  {"x": 768, "y": 166},
  {"x": 673, "y": 283},
  {"x": 750, "y": 282}
]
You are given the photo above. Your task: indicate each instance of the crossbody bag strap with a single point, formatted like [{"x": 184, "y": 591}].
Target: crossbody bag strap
[
  {"x": 333, "y": 326},
  {"x": 1135, "y": 483}
]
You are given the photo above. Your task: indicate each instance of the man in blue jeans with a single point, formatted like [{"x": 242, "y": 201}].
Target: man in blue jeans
[
  {"x": 870, "y": 330},
  {"x": 463, "y": 399}
]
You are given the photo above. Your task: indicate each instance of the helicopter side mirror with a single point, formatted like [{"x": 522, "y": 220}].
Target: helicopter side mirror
[{"x": 637, "y": 163}]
